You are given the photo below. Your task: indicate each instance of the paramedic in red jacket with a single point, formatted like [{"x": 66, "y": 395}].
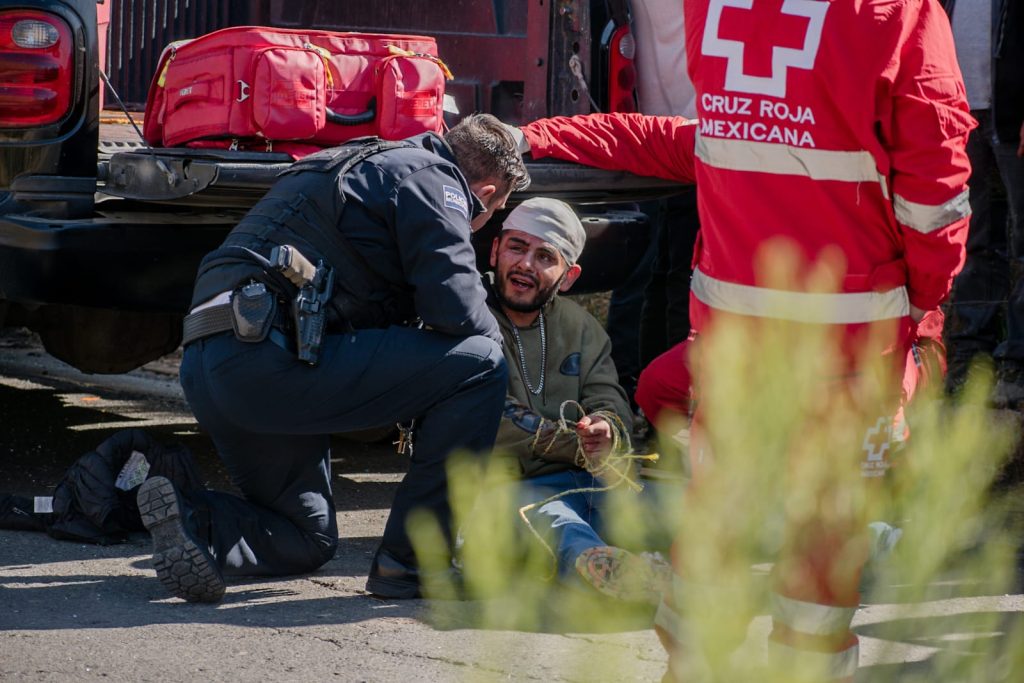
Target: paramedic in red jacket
[{"x": 833, "y": 125}]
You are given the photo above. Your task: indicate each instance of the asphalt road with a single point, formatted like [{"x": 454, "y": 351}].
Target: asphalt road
[{"x": 70, "y": 611}]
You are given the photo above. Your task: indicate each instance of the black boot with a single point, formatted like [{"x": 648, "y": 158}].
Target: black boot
[
  {"x": 392, "y": 578},
  {"x": 182, "y": 561}
]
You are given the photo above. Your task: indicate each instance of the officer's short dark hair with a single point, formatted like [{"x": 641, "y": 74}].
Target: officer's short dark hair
[{"x": 484, "y": 150}]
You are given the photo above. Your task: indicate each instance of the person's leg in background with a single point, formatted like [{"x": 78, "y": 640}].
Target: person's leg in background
[
  {"x": 973, "y": 324},
  {"x": 665, "y": 326},
  {"x": 1009, "y": 355},
  {"x": 650, "y": 313},
  {"x": 665, "y": 318},
  {"x": 624, "y": 316},
  {"x": 653, "y": 312}
]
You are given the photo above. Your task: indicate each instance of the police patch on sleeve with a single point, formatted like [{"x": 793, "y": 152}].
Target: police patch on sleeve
[{"x": 454, "y": 198}]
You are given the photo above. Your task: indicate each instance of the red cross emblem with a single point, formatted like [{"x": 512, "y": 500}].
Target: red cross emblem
[
  {"x": 877, "y": 439},
  {"x": 762, "y": 40}
]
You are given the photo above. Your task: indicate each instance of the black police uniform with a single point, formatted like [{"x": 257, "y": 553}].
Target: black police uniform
[{"x": 399, "y": 221}]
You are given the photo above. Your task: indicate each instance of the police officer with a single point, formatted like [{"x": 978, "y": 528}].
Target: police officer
[{"x": 364, "y": 240}]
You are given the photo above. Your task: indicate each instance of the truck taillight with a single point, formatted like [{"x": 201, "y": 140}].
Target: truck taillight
[
  {"x": 36, "y": 68},
  {"x": 621, "y": 72}
]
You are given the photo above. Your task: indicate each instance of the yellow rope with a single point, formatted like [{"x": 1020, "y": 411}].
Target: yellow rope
[{"x": 617, "y": 464}]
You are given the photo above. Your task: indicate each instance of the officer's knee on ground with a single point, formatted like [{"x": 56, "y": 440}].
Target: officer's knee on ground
[
  {"x": 323, "y": 551},
  {"x": 315, "y": 551}
]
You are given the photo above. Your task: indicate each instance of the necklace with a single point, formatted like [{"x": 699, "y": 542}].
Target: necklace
[{"x": 522, "y": 357}]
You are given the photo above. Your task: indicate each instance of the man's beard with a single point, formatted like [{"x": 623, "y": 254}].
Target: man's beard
[{"x": 540, "y": 299}]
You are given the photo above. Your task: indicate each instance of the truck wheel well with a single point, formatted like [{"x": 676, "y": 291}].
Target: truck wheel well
[{"x": 97, "y": 340}]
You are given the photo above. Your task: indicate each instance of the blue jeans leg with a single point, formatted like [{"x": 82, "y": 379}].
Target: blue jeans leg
[{"x": 568, "y": 522}]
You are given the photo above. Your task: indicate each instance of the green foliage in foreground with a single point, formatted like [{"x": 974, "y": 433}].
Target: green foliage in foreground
[{"x": 787, "y": 437}]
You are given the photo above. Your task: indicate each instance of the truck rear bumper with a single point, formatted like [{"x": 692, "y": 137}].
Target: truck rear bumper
[
  {"x": 233, "y": 179},
  {"x": 147, "y": 261},
  {"x": 141, "y": 251}
]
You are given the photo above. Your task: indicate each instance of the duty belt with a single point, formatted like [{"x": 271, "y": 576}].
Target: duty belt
[{"x": 217, "y": 319}]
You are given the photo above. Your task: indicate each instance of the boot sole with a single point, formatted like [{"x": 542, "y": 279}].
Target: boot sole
[{"x": 183, "y": 567}]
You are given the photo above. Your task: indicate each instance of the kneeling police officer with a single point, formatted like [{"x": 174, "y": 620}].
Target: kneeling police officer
[{"x": 346, "y": 299}]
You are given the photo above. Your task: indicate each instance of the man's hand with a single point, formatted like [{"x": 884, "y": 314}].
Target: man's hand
[
  {"x": 916, "y": 314},
  {"x": 517, "y": 134},
  {"x": 595, "y": 435},
  {"x": 1020, "y": 147}
]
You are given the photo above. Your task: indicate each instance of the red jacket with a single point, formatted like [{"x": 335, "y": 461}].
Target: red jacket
[{"x": 849, "y": 142}]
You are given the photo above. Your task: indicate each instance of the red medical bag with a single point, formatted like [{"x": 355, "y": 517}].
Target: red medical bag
[{"x": 249, "y": 87}]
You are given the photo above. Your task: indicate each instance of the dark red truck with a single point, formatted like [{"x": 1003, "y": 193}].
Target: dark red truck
[{"x": 100, "y": 236}]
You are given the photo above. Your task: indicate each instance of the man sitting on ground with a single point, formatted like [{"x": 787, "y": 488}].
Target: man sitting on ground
[{"x": 558, "y": 352}]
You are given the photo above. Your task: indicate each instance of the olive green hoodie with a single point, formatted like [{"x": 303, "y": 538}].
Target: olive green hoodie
[{"x": 579, "y": 367}]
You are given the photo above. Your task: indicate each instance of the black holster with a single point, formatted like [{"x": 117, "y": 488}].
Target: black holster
[{"x": 252, "y": 312}]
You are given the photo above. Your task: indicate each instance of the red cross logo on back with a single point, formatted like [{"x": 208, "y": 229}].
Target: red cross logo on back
[
  {"x": 762, "y": 39},
  {"x": 877, "y": 439}
]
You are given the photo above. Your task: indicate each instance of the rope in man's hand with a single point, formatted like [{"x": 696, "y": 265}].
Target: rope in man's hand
[{"x": 615, "y": 468}]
